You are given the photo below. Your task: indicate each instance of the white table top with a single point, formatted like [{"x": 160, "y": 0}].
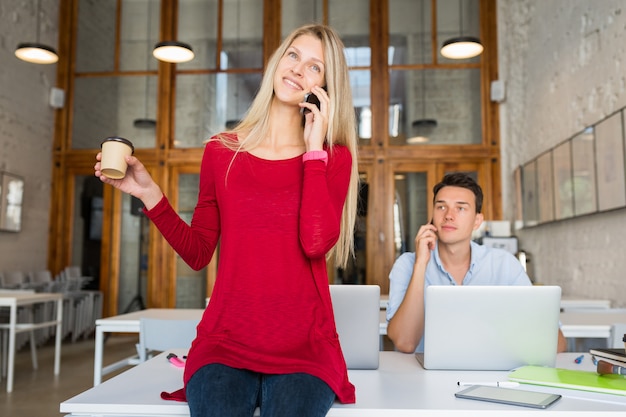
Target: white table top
[
  {"x": 584, "y": 303},
  {"x": 132, "y": 319},
  {"x": 591, "y": 323},
  {"x": 400, "y": 387},
  {"x": 17, "y": 298}
]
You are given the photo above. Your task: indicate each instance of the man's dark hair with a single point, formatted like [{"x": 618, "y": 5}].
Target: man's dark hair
[{"x": 461, "y": 179}]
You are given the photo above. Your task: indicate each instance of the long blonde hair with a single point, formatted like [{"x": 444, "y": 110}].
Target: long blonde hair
[{"x": 341, "y": 123}]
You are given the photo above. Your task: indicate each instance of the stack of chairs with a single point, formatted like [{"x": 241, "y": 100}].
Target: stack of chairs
[{"x": 81, "y": 307}]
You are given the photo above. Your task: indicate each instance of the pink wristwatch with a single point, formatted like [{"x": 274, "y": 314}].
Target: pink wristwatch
[{"x": 315, "y": 155}]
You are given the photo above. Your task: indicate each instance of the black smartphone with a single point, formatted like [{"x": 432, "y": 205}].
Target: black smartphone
[
  {"x": 311, "y": 98},
  {"x": 508, "y": 396}
]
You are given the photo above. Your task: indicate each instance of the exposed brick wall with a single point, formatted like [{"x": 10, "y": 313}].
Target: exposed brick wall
[
  {"x": 564, "y": 66},
  {"x": 26, "y": 128}
]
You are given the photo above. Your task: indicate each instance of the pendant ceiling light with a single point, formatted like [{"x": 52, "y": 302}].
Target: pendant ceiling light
[
  {"x": 173, "y": 51},
  {"x": 462, "y": 46},
  {"x": 36, "y": 52},
  {"x": 422, "y": 128}
]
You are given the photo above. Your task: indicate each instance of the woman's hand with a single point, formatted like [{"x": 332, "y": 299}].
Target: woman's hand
[
  {"x": 137, "y": 181},
  {"x": 316, "y": 121}
]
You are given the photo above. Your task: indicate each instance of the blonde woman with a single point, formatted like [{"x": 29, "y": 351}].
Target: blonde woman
[{"x": 279, "y": 194}]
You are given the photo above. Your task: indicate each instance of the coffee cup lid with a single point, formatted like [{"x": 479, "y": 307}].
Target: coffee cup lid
[{"x": 119, "y": 139}]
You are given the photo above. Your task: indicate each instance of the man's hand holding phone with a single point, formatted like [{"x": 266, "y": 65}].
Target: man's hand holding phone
[{"x": 425, "y": 241}]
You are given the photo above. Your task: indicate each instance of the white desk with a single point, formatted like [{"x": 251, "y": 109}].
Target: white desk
[
  {"x": 13, "y": 300},
  {"x": 591, "y": 323},
  {"x": 569, "y": 303},
  {"x": 584, "y": 323},
  {"x": 129, "y": 323},
  {"x": 400, "y": 387}
]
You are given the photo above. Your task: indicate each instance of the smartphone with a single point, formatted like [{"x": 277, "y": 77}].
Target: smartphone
[
  {"x": 508, "y": 396},
  {"x": 311, "y": 98}
]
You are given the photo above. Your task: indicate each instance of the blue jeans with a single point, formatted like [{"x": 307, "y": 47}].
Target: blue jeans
[{"x": 217, "y": 390}]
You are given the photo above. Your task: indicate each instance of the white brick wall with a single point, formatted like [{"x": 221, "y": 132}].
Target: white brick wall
[
  {"x": 26, "y": 128},
  {"x": 564, "y": 65}
]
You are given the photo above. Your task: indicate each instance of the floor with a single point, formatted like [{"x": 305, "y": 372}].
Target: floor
[{"x": 38, "y": 393}]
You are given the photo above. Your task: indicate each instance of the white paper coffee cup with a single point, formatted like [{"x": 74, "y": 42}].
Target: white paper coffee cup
[{"x": 114, "y": 151}]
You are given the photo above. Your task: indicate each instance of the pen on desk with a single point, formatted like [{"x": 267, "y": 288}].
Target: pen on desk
[
  {"x": 505, "y": 384},
  {"x": 579, "y": 359}
]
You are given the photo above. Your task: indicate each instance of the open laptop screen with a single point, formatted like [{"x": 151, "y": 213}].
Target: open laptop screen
[{"x": 490, "y": 327}]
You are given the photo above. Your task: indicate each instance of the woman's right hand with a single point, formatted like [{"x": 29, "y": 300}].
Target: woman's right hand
[{"x": 137, "y": 181}]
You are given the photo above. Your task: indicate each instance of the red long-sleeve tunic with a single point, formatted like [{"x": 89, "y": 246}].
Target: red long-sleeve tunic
[{"x": 270, "y": 310}]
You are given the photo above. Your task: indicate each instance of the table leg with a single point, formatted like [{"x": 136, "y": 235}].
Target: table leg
[
  {"x": 97, "y": 360},
  {"x": 59, "y": 336},
  {"x": 11, "y": 361}
]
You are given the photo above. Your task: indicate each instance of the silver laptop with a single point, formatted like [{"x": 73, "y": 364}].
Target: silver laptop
[
  {"x": 490, "y": 327},
  {"x": 356, "y": 309}
]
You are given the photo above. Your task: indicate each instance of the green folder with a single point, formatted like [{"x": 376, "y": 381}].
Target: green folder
[{"x": 566, "y": 378}]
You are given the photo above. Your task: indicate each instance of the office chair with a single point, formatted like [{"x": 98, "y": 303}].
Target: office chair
[{"x": 163, "y": 334}]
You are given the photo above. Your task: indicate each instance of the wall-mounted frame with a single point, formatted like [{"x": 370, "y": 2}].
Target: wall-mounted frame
[
  {"x": 529, "y": 187},
  {"x": 563, "y": 184},
  {"x": 610, "y": 162},
  {"x": 583, "y": 175},
  {"x": 545, "y": 188},
  {"x": 11, "y": 198},
  {"x": 584, "y": 172}
]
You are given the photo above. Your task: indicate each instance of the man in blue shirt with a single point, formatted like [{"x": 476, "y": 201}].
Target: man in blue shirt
[{"x": 446, "y": 255}]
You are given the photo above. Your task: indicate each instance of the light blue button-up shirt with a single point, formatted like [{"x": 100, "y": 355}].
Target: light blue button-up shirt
[{"x": 488, "y": 266}]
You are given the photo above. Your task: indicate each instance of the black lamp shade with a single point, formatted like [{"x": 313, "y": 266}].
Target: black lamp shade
[
  {"x": 173, "y": 51},
  {"x": 461, "y": 47}
]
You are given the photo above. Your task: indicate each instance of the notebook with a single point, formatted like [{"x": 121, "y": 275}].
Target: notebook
[
  {"x": 490, "y": 327},
  {"x": 356, "y": 309},
  {"x": 572, "y": 379}
]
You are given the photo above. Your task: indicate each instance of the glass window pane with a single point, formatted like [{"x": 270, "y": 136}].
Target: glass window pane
[
  {"x": 109, "y": 106},
  {"x": 351, "y": 19},
  {"x": 197, "y": 26},
  {"x": 243, "y": 34},
  {"x": 139, "y": 33},
  {"x": 190, "y": 285},
  {"x": 457, "y": 18},
  {"x": 410, "y": 33},
  {"x": 354, "y": 273},
  {"x": 95, "y": 45},
  {"x": 423, "y": 97},
  {"x": 296, "y": 13},
  {"x": 87, "y": 227},
  {"x": 134, "y": 228},
  {"x": 360, "y": 81},
  {"x": 410, "y": 209},
  {"x": 206, "y": 104}
]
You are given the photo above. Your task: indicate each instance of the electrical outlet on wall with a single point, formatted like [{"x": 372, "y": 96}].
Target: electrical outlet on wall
[
  {"x": 57, "y": 98},
  {"x": 498, "y": 91}
]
